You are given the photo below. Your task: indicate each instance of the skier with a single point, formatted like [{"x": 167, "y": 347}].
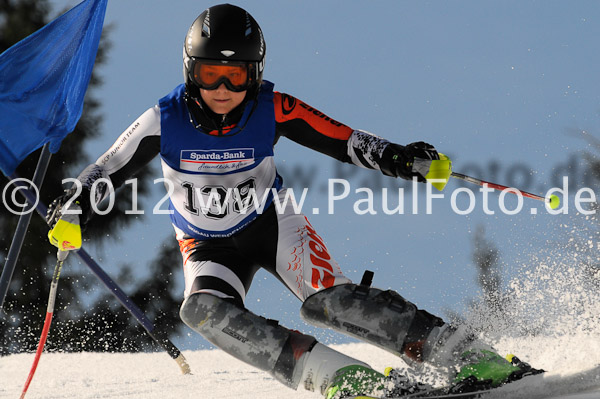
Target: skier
[{"x": 215, "y": 135}]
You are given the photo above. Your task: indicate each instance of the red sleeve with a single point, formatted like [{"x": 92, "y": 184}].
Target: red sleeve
[{"x": 310, "y": 127}]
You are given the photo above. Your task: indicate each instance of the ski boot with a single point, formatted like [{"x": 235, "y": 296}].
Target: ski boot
[
  {"x": 485, "y": 369},
  {"x": 478, "y": 366},
  {"x": 363, "y": 382}
]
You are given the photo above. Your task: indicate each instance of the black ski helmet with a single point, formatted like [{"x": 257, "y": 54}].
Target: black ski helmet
[{"x": 224, "y": 33}]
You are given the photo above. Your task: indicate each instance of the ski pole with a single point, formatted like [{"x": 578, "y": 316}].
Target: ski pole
[
  {"x": 21, "y": 230},
  {"x": 159, "y": 337},
  {"x": 553, "y": 202},
  {"x": 61, "y": 256},
  {"x": 439, "y": 171}
]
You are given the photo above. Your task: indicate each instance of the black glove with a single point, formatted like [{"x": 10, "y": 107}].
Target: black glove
[
  {"x": 54, "y": 212},
  {"x": 398, "y": 160}
]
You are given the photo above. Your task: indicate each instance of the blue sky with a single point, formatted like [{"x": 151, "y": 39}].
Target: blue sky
[{"x": 500, "y": 86}]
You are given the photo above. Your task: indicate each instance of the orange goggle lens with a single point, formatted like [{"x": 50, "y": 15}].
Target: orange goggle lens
[{"x": 210, "y": 76}]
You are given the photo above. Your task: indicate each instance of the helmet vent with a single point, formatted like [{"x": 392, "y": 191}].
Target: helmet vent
[
  {"x": 248, "y": 25},
  {"x": 206, "y": 24}
]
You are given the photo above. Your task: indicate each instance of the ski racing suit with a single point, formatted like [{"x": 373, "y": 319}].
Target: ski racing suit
[{"x": 225, "y": 234}]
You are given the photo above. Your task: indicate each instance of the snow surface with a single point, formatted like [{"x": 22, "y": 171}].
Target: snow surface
[{"x": 217, "y": 375}]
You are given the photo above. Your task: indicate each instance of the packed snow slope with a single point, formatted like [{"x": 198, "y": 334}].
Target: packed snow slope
[{"x": 217, "y": 375}]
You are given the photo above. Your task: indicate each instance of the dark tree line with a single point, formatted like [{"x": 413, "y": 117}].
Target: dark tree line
[
  {"x": 83, "y": 320},
  {"x": 489, "y": 274}
]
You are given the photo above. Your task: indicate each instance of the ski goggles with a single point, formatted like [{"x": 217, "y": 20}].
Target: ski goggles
[{"x": 210, "y": 75}]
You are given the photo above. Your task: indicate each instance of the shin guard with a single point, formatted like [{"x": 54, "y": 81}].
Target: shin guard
[
  {"x": 253, "y": 339},
  {"x": 382, "y": 318}
]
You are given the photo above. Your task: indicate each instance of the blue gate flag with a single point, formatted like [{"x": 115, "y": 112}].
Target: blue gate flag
[{"x": 43, "y": 80}]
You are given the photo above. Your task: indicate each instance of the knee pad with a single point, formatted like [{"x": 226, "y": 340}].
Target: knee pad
[
  {"x": 253, "y": 339},
  {"x": 382, "y": 318}
]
